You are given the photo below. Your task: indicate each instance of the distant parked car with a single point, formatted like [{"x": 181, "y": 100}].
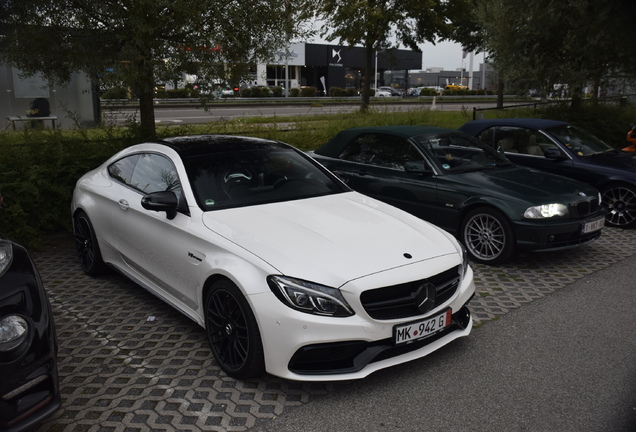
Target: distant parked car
[
  {"x": 561, "y": 148},
  {"x": 29, "y": 389},
  {"x": 391, "y": 90},
  {"x": 288, "y": 270},
  {"x": 460, "y": 184},
  {"x": 383, "y": 93}
]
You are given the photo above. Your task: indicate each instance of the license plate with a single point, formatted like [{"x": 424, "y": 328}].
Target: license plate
[
  {"x": 421, "y": 329},
  {"x": 593, "y": 226}
]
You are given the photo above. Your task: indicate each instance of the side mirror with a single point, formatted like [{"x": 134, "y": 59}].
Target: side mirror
[
  {"x": 161, "y": 201},
  {"x": 553, "y": 153},
  {"x": 416, "y": 167}
]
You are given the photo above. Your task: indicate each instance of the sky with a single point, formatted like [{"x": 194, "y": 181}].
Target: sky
[{"x": 447, "y": 55}]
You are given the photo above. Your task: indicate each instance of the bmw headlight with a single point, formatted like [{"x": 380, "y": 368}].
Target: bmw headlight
[
  {"x": 14, "y": 330},
  {"x": 309, "y": 297},
  {"x": 546, "y": 211},
  {"x": 6, "y": 255}
]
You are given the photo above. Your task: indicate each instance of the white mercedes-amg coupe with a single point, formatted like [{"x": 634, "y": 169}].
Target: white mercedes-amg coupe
[{"x": 288, "y": 270}]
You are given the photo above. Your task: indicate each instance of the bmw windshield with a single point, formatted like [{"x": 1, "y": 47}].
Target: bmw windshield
[
  {"x": 455, "y": 152},
  {"x": 580, "y": 142}
]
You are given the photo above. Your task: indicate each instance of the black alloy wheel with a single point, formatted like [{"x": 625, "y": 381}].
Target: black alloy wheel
[
  {"x": 488, "y": 236},
  {"x": 621, "y": 203},
  {"x": 233, "y": 332},
  {"x": 86, "y": 245}
]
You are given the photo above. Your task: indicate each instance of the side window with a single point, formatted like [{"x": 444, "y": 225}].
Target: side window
[
  {"x": 122, "y": 170},
  {"x": 148, "y": 173},
  {"x": 488, "y": 136},
  {"x": 544, "y": 142},
  {"x": 509, "y": 139},
  {"x": 381, "y": 150},
  {"x": 522, "y": 141},
  {"x": 155, "y": 173}
]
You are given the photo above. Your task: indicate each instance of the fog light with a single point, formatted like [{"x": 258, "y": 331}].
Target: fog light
[{"x": 14, "y": 330}]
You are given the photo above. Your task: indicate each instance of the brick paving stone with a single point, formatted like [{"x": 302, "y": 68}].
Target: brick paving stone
[{"x": 129, "y": 362}]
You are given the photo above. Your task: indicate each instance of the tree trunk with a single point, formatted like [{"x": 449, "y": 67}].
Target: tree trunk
[
  {"x": 147, "y": 114},
  {"x": 146, "y": 93},
  {"x": 596, "y": 85},
  {"x": 500, "y": 92},
  {"x": 366, "y": 86},
  {"x": 577, "y": 98}
]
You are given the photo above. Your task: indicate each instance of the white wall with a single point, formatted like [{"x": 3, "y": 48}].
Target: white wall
[{"x": 70, "y": 102}]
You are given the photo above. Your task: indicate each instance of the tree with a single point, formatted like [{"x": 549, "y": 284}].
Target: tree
[
  {"x": 381, "y": 24},
  {"x": 549, "y": 42},
  {"x": 132, "y": 41}
]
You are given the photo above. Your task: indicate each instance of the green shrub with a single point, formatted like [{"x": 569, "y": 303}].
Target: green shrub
[
  {"x": 118, "y": 92},
  {"x": 277, "y": 91},
  {"x": 294, "y": 92},
  {"x": 308, "y": 91},
  {"x": 428, "y": 92},
  {"x": 38, "y": 171},
  {"x": 337, "y": 92}
]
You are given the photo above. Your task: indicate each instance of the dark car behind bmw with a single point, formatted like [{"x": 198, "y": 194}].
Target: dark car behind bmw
[{"x": 29, "y": 390}]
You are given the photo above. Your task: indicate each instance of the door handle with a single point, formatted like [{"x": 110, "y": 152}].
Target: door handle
[{"x": 123, "y": 204}]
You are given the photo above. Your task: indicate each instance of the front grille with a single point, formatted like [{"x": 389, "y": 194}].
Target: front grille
[
  {"x": 403, "y": 300},
  {"x": 585, "y": 207},
  {"x": 353, "y": 356}
]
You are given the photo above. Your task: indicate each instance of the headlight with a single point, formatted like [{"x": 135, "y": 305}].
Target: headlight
[
  {"x": 546, "y": 211},
  {"x": 14, "y": 330},
  {"x": 464, "y": 253},
  {"x": 6, "y": 255},
  {"x": 309, "y": 297}
]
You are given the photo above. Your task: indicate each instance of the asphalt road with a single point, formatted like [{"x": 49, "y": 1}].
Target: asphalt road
[
  {"x": 193, "y": 114},
  {"x": 566, "y": 362}
]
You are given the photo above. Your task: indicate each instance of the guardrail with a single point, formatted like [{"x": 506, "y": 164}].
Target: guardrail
[{"x": 613, "y": 100}]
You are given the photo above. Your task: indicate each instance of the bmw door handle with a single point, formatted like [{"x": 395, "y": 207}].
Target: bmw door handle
[{"x": 123, "y": 204}]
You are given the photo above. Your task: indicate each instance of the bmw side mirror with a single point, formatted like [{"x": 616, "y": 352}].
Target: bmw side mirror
[
  {"x": 553, "y": 153},
  {"x": 161, "y": 201},
  {"x": 416, "y": 167}
]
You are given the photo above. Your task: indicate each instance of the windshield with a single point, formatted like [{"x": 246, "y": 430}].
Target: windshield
[
  {"x": 455, "y": 152},
  {"x": 579, "y": 141},
  {"x": 256, "y": 176}
]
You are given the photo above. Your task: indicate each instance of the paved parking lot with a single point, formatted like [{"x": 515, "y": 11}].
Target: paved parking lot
[{"x": 128, "y": 362}]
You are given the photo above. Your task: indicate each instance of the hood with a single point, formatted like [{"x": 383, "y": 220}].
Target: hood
[
  {"x": 526, "y": 185},
  {"x": 616, "y": 159},
  {"x": 331, "y": 239}
]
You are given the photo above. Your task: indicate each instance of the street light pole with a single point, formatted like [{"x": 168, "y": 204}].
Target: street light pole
[{"x": 376, "y": 71}]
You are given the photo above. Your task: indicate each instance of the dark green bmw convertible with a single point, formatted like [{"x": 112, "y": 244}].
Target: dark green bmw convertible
[{"x": 455, "y": 181}]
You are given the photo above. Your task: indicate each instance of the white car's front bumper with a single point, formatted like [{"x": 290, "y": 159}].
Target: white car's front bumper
[{"x": 308, "y": 347}]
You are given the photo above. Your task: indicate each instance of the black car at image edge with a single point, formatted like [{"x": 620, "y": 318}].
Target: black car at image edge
[{"x": 29, "y": 388}]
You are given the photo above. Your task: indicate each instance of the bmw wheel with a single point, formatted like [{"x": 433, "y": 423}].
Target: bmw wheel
[
  {"x": 488, "y": 236},
  {"x": 233, "y": 332},
  {"x": 86, "y": 245},
  {"x": 621, "y": 203}
]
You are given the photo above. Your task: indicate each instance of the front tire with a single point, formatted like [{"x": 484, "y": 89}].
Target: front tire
[
  {"x": 488, "y": 236},
  {"x": 86, "y": 245},
  {"x": 233, "y": 332},
  {"x": 621, "y": 203}
]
